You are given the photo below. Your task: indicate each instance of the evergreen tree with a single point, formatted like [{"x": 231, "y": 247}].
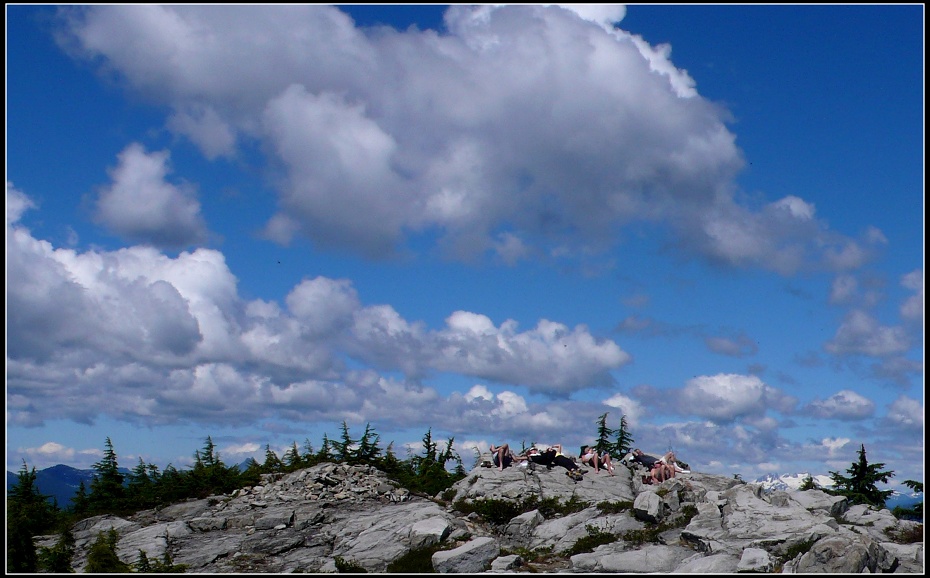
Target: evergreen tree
[
  {"x": 859, "y": 486},
  {"x": 80, "y": 503},
  {"x": 210, "y": 475},
  {"x": 390, "y": 465},
  {"x": 368, "y": 451},
  {"x": 326, "y": 450},
  {"x": 427, "y": 473},
  {"x": 171, "y": 486},
  {"x": 29, "y": 514},
  {"x": 603, "y": 443},
  {"x": 915, "y": 512},
  {"x": 58, "y": 558},
  {"x": 142, "y": 564},
  {"x": 343, "y": 448},
  {"x": 292, "y": 459},
  {"x": 167, "y": 565},
  {"x": 209, "y": 455},
  {"x": 140, "y": 489},
  {"x": 252, "y": 476},
  {"x": 808, "y": 484},
  {"x": 21, "y": 554},
  {"x": 623, "y": 440},
  {"x": 309, "y": 455},
  {"x": 272, "y": 463},
  {"x": 430, "y": 452},
  {"x": 102, "y": 557},
  {"x": 106, "y": 489}
]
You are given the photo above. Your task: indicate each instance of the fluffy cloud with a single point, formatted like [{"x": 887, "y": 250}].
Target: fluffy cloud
[
  {"x": 845, "y": 405},
  {"x": 725, "y": 397},
  {"x": 141, "y": 206},
  {"x": 629, "y": 407},
  {"x": 906, "y": 413},
  {"x": 913, "y": 308},
  {"x": 860, "y": 333},
  {"x": 17, "y": 203},
  {"x": 624, "y": 135},
  {"x": 843, "y": 289},
  {"x": 157, "y": 339}
]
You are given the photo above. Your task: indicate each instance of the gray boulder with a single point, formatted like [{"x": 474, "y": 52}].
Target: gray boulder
[{"x": 472, "y": 557}]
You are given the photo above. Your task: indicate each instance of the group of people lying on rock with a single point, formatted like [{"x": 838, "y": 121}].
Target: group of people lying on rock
[{"x": 660, "y": 469}]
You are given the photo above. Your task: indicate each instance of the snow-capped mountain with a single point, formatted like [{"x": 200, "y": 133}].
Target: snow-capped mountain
[
  {"x": 771, "y": 482},
  {"x": 905, "y": 500}
]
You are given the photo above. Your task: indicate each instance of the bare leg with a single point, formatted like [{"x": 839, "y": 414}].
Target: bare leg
[
  {"x": 658, "y": 473},
  {"x": 501, "y": 452}
]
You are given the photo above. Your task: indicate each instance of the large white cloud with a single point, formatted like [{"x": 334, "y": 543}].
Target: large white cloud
[
  {"x": 522, "y": 130},
  {"x": 844, "y": 404},
  {"x": 141, "y": 206},
  {"x": 138, "y": 334},
  {"x": 726, "y": 397}
]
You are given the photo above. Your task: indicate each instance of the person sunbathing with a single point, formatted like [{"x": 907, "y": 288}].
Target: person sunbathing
[
  {"x": 590, "y": 457},
  {"x": 658, "y": 469},
  {"x": 501, "y": 456}
]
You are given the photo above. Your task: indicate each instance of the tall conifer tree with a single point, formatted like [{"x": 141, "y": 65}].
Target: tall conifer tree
[{"x": 860, "y": 485}]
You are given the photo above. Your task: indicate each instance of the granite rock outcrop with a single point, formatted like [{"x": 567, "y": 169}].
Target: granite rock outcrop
[{"x": 315, "y": 519}]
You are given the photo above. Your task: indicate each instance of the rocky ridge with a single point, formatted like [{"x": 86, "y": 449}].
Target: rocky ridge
[{"x": 313, "y": 519}]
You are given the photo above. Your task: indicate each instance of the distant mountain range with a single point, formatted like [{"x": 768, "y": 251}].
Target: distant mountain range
[
  {"x": 61, "y": 482},
  {"x": 784, "y": 482}
]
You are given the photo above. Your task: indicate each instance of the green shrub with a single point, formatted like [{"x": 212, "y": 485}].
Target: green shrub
[
  {"x": 344, "y": 566},
  {"x": 493, "y": 510},
  {"x": 909, "y": 535},
  {"x": 652, "y": 531},
  {"x": 596, "y": 537},
  {"x": 614, "y": 507},
  {"x": 102, "y": 558},
  {"x": 500, "y": 512},
  {"x": 529, "y": 556},
  {"x": 416, "y": 561},
  {"x": 641, "y": 536},
  {"x": 551, "y": 507},
  {"x": 796, "y": 550}
]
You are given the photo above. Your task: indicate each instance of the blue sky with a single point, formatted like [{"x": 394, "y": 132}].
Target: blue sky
[{"x": 497, "y": 223}]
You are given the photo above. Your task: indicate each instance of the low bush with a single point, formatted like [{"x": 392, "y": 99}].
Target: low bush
[
  {"x": 416, "y": 561},
  {"x": 652, "y": 531},
  {"x": 344, "y": 566},
  {"x": 796, "y": 550},
  {"x": 908, "y": 535},
  {"x": 614, "y": 507},
  {"x": 596, "y": 537},
  {"x": 500, "y": 512}
]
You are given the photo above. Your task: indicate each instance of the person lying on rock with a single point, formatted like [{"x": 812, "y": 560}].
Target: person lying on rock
[
  {"x": 566, "y": 462},
  {"x": 541, "y": 457},
  {"x": 658, "y": 469},
  {"x": 670, "y": 460},
  {"x": 590, "y": 457},
  {"x": 503, "y": 457}
]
